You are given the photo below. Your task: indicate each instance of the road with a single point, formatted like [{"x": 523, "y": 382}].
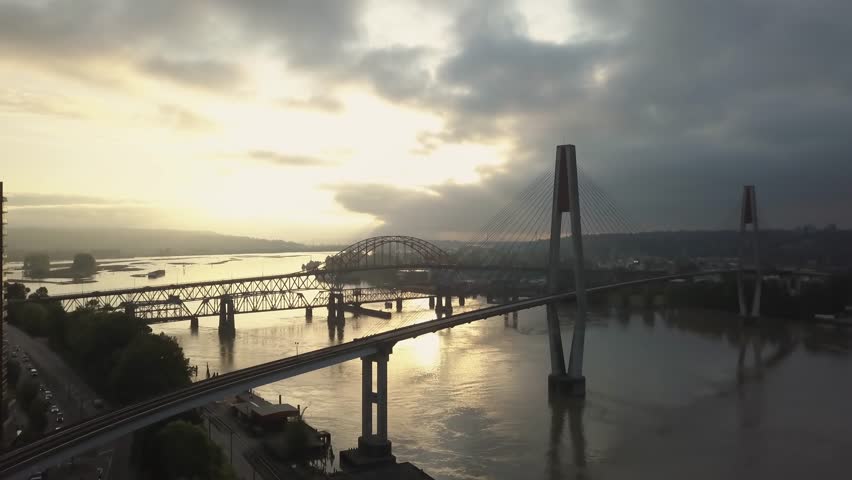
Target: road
[{"x": 75, "y": 398}]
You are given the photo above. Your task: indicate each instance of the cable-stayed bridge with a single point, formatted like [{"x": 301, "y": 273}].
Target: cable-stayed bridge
[{"x": 518, "y": 247}]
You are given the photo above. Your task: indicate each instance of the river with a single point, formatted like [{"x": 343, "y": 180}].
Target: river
[{"x": 671, "y": 392}]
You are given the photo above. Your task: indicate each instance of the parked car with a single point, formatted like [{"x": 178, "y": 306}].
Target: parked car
[
  {"x": 60, "y": 418},
  {"x": 48, "y": 396},
  {"x": 33, "y": 372},
  {"x": 54, "y": 409}
]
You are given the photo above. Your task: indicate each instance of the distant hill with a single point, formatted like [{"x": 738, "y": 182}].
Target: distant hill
[{"x": 63, "y": 243}]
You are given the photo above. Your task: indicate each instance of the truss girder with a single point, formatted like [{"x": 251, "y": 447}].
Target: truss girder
[
  {"x": 389, "y": 250},
  {"x": 194, "y": 291},
  {"x": 263, "y": 301}
]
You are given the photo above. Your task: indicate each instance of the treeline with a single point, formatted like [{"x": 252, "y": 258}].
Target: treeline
[
  {"x": 828, "y": 247},
  {"x": 121, "y": 359},
  {"x": 828, "y": 297},
  {"x": 37, "y": 265}
]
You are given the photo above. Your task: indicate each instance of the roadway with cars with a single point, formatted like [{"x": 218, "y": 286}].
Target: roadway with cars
[{"x": 74, "y": 399}]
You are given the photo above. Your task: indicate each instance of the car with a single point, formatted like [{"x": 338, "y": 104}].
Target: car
[
  {"x": 48, "y": 396},
  {"x": 33, "y": 372},
  {"x": 59, "y": 427},
  {"x": 48, "y": 392},
  {"x": 60, "y": 418},
  {"x": 54, "y": 409}
]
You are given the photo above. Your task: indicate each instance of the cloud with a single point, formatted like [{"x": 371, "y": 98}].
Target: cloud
[
  {"x": 184, "y": 119},
  {"x": 37, "y": 104},
  {"x": 55, "y": 200},
  {"x": 324, "y": 103},
  {"x": 673, "y": 105},
  {"x": 288, "y": 160},
  {"x": 212, "y": 74}
]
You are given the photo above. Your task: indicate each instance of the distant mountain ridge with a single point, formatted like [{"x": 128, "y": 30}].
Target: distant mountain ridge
[{"x": 63, "y": 243}]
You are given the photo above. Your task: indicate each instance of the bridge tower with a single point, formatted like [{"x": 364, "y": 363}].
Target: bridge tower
[
  {"x": 566, "y": 198},
  {"x": 749, "y": 217}
]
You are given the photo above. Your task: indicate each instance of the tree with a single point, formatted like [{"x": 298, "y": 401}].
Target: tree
[
  {"x": 183, "y": 451},
  {"x": 32, "y": 317},
  {"x": 40, "y": 294},
  {"x": 37, "y": 414},
  {"x": 16, "y": 291},
  {"x": 27, "y": 392},
  {"x": 37, "y": 265},
  {"x": 134, "y": 377},
  {"x": 84, "y": 265},
  {"x": 13, "y": 372}
]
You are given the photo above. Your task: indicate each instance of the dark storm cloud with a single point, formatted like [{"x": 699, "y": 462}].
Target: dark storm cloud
[
  {"x": 198, "y": 73},
  {"x": 312, "y": 35},
  {"x": 287, "y": 160},
  {"x": 673, "y": 106}
]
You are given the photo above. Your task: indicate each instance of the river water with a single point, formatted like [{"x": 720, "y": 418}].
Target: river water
[{"x": 671, "y": 393}]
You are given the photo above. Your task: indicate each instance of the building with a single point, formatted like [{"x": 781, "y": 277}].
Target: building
[{"x": 5, "y": 417}]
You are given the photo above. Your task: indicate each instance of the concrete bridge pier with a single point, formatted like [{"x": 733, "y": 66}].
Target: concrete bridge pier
[
  {"x": 461, "y": 300},
  {"x": 332, "y": 309},
  {"x": 193, "y": 324},
  {"x": 373, "y": 448},
  {"x": 227, "y": 325},
  {"x": 130, "y": 309},
  {"x": 431, "y": 302},
  {"x": 340, "y": 313},
  {"x": 309, "y": 314},
  {"x": 398, "y": 304}
]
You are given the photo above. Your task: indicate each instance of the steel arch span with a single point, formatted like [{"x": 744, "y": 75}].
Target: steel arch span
[{"x": 388, "y": 250}]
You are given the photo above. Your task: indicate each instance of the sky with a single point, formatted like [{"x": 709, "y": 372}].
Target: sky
[{"x": 316, "y": 121}]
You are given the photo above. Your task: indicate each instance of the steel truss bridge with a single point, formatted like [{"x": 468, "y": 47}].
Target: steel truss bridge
[{"x": 310, "y": 289}]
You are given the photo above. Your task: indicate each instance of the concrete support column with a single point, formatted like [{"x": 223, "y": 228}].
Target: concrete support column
[
  {"x": 560, "y": 200},
  {"x": 332, "y": 297},
  {"x": 440, "y": 304},
  {"x": 366, "y": 397},
  {"x": 309, "y": 313},
  {"x": 130, "y": 309},
  {"x": 398, "y": 304},
  {"x": 382, "y": 396},
  {"x": 461, "y": 300},
  {"x": 431, "y": 302},
  {"x": 193, "y": 323},
  {"x": 449, "y": 301}
]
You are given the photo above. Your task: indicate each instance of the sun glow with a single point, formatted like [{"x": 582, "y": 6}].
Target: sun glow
[{"x": 422, "y": 351}]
